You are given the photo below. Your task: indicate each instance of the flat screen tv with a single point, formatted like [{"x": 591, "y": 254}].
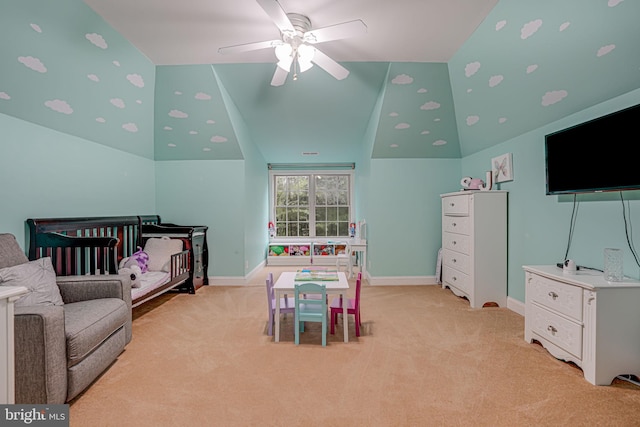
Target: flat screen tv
[{"x": 598, "y": 155}]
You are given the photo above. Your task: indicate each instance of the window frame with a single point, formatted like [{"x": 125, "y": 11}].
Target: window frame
[{"x": 311, "y": 173}]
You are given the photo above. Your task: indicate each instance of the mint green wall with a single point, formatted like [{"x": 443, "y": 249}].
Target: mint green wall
[
  {"x": 46, "y": 173},
  {"x": 256, "y": 194},
  {"x": 211, "y": 193},
  {"x": 363, "y": 163},
  {"x": 404, "y": 214},
  {"x": 539, "y": 224}
]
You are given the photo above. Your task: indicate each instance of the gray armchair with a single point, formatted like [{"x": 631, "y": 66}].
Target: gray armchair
[{"x": 61, "y": 349}]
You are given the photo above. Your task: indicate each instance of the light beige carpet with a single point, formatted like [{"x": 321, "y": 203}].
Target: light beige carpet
[{"x": 424, "y": 359}]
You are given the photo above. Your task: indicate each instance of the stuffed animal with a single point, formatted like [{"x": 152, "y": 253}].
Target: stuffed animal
[
  {"x": 134, "y": 272},
  {"x": 139, "y": 258}
]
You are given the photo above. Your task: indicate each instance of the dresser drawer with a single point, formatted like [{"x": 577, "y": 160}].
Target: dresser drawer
[
  {"x": 556, "y": 329},
  {"x": 456, "y": 205},
  {"x": 456, "y": 278},
  {"x": 456, "y": 224},
  {"x": 456, "y": 242},
  {"x": 457, "y": 260},
  {"x": 561, "y": 297}
]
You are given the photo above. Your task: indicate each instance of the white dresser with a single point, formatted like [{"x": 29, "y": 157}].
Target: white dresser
[
  {"x": 584, "y": 319},
  {"x": 474, "y": 246},
  {"x": 8, "y": 294}
]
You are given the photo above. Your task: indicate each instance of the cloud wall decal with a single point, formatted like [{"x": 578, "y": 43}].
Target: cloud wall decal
[
  {"x": 554, "y": 96},
  {"x": 117, "y": 102},
  {"x": 402, "y": 79},
  {"x": 178, "y": 114},
  {"x": 136, "y": 80},
  {"x": 495, "y": 80},
  {"x": 34, "y": 63},
  {"x": 431, "y": 105},
  {"x": 605, "y": 50},
  {"x": 59, "y": 106},
  {"x": 97, "y": 40},
  {"x": 131, "y": 127},
  {"x": 530, "y": 28},
  {"x": 471, "y": 68}
]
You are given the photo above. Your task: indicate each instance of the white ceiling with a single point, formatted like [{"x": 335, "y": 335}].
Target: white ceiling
[{"x": 171, "y": 32}]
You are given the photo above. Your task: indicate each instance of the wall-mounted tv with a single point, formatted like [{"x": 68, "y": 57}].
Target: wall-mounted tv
[{"x": 598, "y": 155}]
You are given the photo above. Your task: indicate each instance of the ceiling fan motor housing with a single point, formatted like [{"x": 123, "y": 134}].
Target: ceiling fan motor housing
[{"x": 301, "y": 23}]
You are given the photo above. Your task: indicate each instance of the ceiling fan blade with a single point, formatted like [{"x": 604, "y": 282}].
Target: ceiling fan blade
[
  {"x": 277, "y": 14},
  {"x": 336, "y": 32},
  {"x": 279, "y": 77},
  {"x": 329, "y": 65},
  {"x": 249, "y": 46}
]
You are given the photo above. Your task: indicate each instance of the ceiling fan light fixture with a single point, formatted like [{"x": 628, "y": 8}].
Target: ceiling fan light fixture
[
  {"x": 285, "y": 64},
  {"x": 306, "y": 52},
  {"x": 296, "y": 48},
  {"x": 305, "y": 56},
  {"x": 283, "y": 51}
]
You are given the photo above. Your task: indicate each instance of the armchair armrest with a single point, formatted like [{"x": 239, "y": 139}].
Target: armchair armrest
[
  {"x": 83, "y": 288},
  {"x": 40, "y": 354}
]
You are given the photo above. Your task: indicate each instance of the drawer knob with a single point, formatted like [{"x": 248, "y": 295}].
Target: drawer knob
[
  {"x": 454, "y": 278},
  {"x": 454, "y": 243},
  {"x": 552, "y": 329},
  {"x": 452, "y": 204},
  {"x": 454, "y": 260},
  {"x": 553, "y": 295},
  {"x": 454, "y": 224}
]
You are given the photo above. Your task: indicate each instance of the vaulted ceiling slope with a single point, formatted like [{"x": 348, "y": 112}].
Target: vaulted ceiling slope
[{"x": 145, "y": 76}]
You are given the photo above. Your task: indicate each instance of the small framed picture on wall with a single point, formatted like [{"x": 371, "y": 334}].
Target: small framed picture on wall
[{"x": 502, "y": 168}]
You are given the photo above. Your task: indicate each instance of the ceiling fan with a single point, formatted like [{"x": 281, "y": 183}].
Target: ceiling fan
[{"x": 297, "y": 44}]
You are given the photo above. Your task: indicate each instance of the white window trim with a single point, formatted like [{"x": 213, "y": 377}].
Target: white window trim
[{"x": 272, "y": 210}]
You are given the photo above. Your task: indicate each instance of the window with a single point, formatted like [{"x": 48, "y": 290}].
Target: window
[{"x": 311, "y": 204}]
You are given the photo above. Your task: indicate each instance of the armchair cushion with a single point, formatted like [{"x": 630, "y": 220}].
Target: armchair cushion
[
  {"x": 89, "y": 323},
  {"x": 38, "y": 277}
]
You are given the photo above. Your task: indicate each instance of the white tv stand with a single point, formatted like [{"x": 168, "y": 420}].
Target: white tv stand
[{"x": 584, "y": 319}]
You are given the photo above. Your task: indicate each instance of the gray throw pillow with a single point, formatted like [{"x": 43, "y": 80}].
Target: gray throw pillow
[{"x": 38, "y": 277}]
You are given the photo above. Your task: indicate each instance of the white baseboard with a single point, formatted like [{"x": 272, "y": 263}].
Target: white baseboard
[
  {"x": 515, "y": 305},
  {"x": 400, "y": 280},
  {"x": 236, "y": 280},
  {"x": 227, "y": 281}
]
